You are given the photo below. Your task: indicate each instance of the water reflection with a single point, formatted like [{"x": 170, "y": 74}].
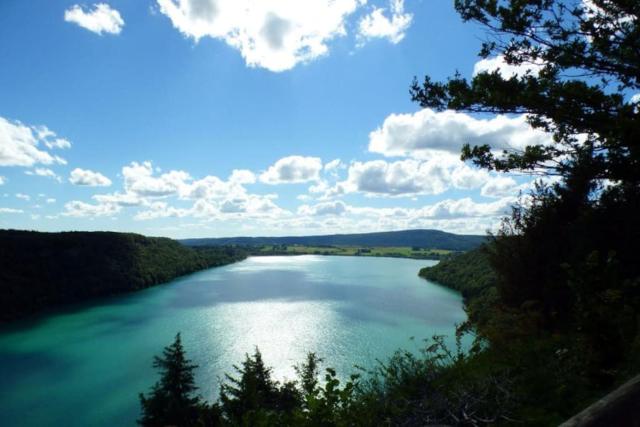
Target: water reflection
[{"x": 348, "y": 310}]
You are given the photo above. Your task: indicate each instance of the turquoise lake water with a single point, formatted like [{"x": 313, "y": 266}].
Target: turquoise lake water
[{"x": 86, "y": 365}]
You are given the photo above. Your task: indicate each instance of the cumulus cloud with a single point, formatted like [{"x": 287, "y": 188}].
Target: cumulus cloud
[
  {"x": 2, "y": 180},
  {"x": 397, "y": 178},
  {"x": 101, "y": 19},
  {"x": 139, "y": 179},
  {"x": 140, "y": 182},
  {"x": 89, "y": 178},
  {"x": 20, "y": 145},
  {"x": 160, "y": 210},
  {"x": 333, "y": 165},
  {"x": 10, "y": 211},
  {"x": 326, "y": 208},
  {"x": 498, "y": 63},
  {"x": 145, "y": 188},
  {"x": 77, "y": 208},
  {"x": 378, "y": 25},
  {"x": 635, "y": 99},
  {"x": 409, "y": 177},
  {"x": 499, "y": 186},
  {"x": 23, "y": 196},
  {"x": 467, "y": 208},
  {"x": 454, "y": 215},
  {"x": 120, "y": 199},
  {"x": 272, "y": 34},
  {"x": 428, "y": 133},
  {"x": 242, "y": 176},
  {"x": 293, "y": 169},
  {"x": 45, "y": 172}
]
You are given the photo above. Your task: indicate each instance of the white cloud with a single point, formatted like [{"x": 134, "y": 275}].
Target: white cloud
[
  {"x": 244, "y": 206},
  {"x": 467, "y": 208},
  {"x": 407, "y": 177},
  {"x": 333, "y": 165},
  {"x": 428, "y": 133},
  {"x": 138, "y": 179},
  {"x": 51, "y": 200},
  {"x": 23, "y": 196},
  {"x": 212, "y": 197},
  {"x": 498, "y": 63},
  {"x": 272, "y": 34},
  {"x": 454, "y": 215},
  {"x": 467, "y": 178},
  {"x": 397, "y": 178},
  {"x": 377, "y": 25},
  {"x": 120, "y": 199},
  {"x": 57, "y": 143},
  {"x": 326, "y": 208},
  {"x": 2, "y": 180},
  {"x": 293, "y": 169},
  {"x": 89, "y": 178},
  {"x": 605, "y": 21},
  {"x": 635, "y": 99},
  {"x": 242, "y": 176},
  {"x": 499, "y": 186},
  {"x": 102, "y": 19},
  {"x": 160, "y": 210},
  {"x": 19, "y": 145},
  {"x": 10, "y": 210},
  {"x": 45, "y": 172},
  {"x": 77, "y": 208}
]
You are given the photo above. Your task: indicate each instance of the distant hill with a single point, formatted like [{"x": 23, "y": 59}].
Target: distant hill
[
  {"x": 43, "y": 270},
  {"x": 433, "y": 239}
]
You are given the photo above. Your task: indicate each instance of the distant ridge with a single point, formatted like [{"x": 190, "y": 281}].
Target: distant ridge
[{"x": 434, "y": 239}]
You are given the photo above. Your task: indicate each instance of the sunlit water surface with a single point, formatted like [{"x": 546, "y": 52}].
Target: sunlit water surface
[{"x": 86, "y": 365}]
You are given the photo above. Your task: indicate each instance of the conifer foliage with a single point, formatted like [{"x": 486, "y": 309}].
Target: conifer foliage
[{"x": 172, "y": 400}]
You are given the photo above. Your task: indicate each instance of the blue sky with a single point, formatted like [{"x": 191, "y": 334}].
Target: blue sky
[{"x": 134, "y": 115}]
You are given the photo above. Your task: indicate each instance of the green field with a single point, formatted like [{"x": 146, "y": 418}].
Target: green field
[{"x": 380, "y": 251}]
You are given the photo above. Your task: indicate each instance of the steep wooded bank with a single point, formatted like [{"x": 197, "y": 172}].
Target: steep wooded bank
[
  {"x": 39, "y": 271},
  {"x": 468, "y": 273}
]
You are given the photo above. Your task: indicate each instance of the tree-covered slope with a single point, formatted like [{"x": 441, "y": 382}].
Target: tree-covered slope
[
  {"x": 468, "y": 273},
  {"x": 433, "y": 239},
  {"x": 43, "y": 270}
]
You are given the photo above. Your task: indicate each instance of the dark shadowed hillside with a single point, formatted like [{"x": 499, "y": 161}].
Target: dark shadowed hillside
[
  {"x": 416, "y": 238},
  {"x": 468, "y": 273},
  {"x": 43, "y": 270}
]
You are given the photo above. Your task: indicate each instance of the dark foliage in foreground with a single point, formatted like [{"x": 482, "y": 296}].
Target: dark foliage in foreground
[
  {"x": 171, "y": 400},
  {"x": 435, "y": 386},
  {"x": 39, "y": 271},
  {"x": 565, "y": 312}
]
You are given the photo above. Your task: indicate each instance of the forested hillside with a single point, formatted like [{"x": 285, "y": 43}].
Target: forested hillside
[
  {"x": 428, "y": 239},
  {"x": 43, "y": 270},
  {"x": 467, "y": 273}
]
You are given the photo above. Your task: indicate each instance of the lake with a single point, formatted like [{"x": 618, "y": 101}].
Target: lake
[{"x": 85, "y": 366}]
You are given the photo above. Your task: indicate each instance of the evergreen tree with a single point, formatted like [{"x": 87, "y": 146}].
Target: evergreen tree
[
  {"x": 254, "y": 397},
  {"x": 171, "y": 400},
  {"x": 566, "y": 261}
]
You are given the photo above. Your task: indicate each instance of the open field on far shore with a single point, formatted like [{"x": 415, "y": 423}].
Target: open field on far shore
[{"x": 392, "y": 251}]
